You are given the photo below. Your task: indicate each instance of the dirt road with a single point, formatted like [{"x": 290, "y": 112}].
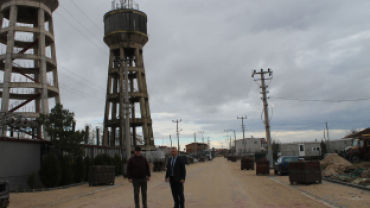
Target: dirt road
[{"x": 218, "y": 183}]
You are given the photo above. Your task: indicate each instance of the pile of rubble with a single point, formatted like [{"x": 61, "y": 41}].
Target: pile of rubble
[
  {"x": 334, "y": 165},
  {"x": 338, "y": 168}
]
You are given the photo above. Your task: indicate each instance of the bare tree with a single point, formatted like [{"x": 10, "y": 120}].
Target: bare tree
[{"x": 352, "y": 131}]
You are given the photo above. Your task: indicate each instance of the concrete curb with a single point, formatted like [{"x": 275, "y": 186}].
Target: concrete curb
[
  {"x": 52, "y": 189},
  {"x": 326, "y": 202},
  {"x": 346, "y": 184}
]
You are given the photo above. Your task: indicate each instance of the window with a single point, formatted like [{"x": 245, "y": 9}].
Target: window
[{"x": 290, "y": 159}]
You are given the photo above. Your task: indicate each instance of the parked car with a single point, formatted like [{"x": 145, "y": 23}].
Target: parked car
[
  {"x": 281, "y": 165},
  {"x": 4, "y": 194}
]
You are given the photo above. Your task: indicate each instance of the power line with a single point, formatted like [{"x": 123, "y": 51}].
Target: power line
[
  {"x": 80, "y": 32},
  {"x": 83, "y": 93},
  {"x": 79, "y": 22},
  {"x": 86, "y": 15},
  {"x": 81, "y": 83},
  {"x": 59, "y": 66},
  {"x": 332, "y": 101},
  {"x": 80, "y": 94},
  {"x": 166, "y": 109}
]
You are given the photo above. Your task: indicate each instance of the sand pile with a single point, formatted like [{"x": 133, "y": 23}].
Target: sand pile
[{"x": 335, "y": 165}]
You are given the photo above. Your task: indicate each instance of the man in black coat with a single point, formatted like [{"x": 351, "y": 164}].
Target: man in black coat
[
  {"x": 176, "y": 174},
  {"x": 138, "y": 173}
]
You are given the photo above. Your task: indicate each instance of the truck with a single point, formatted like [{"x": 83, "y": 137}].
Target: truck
[
  {"x": 207, "y": 154},
  {"x": 338, "y": 145},
  {"x": 359, "y": 149},
  {"x": 4, "y": 194},
  {"x": 158, "y": 159}
]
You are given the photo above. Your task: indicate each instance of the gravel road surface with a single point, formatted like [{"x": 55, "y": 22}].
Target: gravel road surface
[{"x": 217, "y": 183}]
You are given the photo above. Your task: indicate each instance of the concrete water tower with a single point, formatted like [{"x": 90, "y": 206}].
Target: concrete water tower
[
  {"x": 28, "y": 58},
  {"x": 126, "y": 34}
]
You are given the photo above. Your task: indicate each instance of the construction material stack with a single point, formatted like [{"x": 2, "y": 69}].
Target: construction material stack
[
  {"x": 247, "y": 163},
  {"x": 101, "y": 174},
  {"x": 304, "y": 172},
  {"x": 262, "y": 167}
]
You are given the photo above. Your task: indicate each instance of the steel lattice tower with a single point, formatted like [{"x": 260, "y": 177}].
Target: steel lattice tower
[
  {"x": 126, "y": 35},
  {"x": 36, "y": 79}
]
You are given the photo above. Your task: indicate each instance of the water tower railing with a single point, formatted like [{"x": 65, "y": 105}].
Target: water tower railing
[{"x": 116, "y": 5}]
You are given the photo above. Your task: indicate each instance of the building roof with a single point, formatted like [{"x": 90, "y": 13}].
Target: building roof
[
  {"x": 196, "y": 143},
  {"x": 309, "y": 142},
  {"x": 358, "y": 134},
  {"x": 251, "y": 138}
]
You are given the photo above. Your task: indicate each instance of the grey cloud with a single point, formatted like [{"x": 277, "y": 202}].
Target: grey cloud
[{"x": 200, "y": 55}]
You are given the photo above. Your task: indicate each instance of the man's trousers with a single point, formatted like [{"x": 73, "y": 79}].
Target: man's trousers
[
  {"x": 177, "y": 189},
  {"x": 140, "y": 183}
]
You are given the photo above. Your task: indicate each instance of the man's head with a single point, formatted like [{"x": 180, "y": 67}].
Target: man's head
[
  {"x": 137, "y": 151},
  {"x": 174, "y": 151}
]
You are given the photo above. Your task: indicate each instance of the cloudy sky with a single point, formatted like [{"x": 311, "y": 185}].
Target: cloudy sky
[{"x": 199, "y": 60}]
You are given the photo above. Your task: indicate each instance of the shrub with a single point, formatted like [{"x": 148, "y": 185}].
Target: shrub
[
  {"x": 50, "y": 173},
  {"x": 99, "y": 160},
  {"x": 79, "y": 170},
  {"x": 119, "y": 165},
  {"x": 88, "y": 163},
  {"x": 67, "y": 173},
  {"x": 32, "y": 180},
  {"x": 104, "y": 160},
  {"x": 108, "y": 160}
]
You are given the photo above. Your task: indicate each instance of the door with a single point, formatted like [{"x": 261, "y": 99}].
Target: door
[{"x": 301, "y": 150}]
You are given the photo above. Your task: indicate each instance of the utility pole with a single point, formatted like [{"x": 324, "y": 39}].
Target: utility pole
[
  {"x": 209, "y": 144},
  {"x": 195, "y": 141},
  {"x": 171, "y": 140},
  {"x": 202, "y": 132},
  {"x": 227, "y": 130},
  {"x": 242, "y": 118},
  {"x": 264, "y": 86},
  {"x": 230, "y": 140},
  {"x": 234, "y": 139},
  {"x": 327, "y": 137},
  {"x": 124, "y": 106},
  {"x": 327, "y": 131},
  {"x": 178, "y": 133},
  {"x": 127, "y": 114}
]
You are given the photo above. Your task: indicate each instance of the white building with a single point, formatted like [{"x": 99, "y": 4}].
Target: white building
[
  {"x": 250, "y": 146},
  {"x": 301, "y": 149}
]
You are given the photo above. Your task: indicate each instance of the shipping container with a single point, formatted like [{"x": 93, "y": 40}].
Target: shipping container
[{"x": 302, "y": 150}]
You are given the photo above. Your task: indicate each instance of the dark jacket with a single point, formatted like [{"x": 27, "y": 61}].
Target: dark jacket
[
  {"x": 179, "y": 171},
  {"x": 138, "y": 167}
]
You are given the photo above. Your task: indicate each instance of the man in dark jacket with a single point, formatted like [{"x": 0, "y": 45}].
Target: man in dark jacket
[
  {"x": 176, "y": 174},
  {"x": 138, "y": 174}
]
